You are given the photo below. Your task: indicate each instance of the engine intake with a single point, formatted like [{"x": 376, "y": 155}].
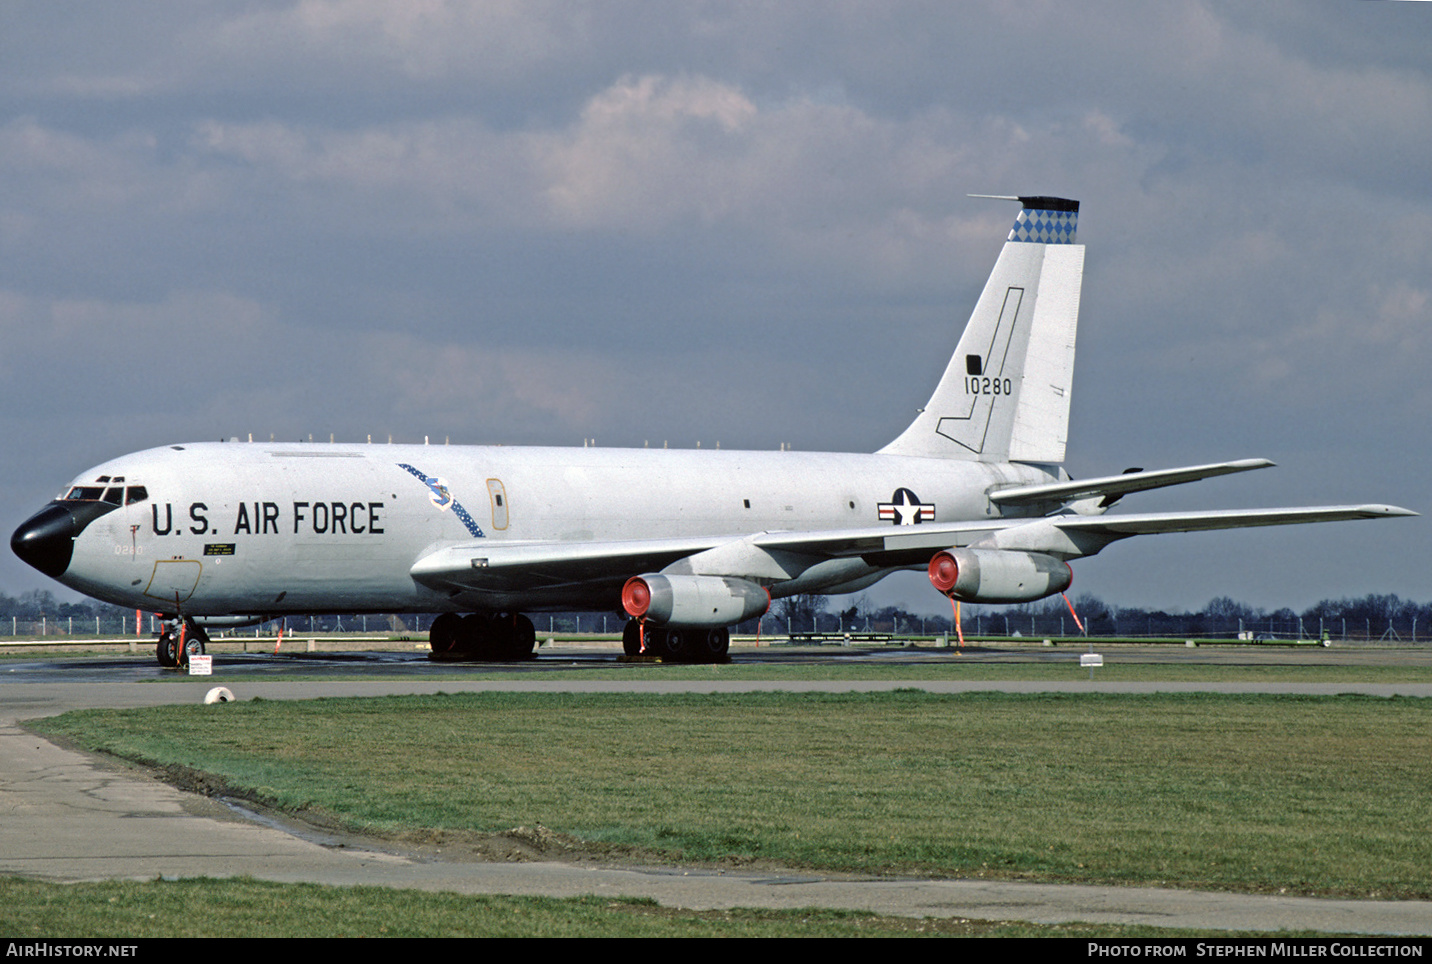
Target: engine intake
[
  {"x": 695, "y": 601},
  {"x": 998, "y": 575}
]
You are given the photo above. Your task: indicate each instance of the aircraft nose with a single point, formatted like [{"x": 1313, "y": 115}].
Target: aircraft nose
[{"x": 47, "y": 540}]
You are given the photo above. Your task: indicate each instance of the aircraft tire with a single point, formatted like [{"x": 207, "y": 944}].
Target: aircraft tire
[
  {"x": 167, "y": 650},
  {"x": 196, "y": 641},
  {"x": 472, "y": 634},
  {"x": 656, "y": 639},
  {"x": 495, "y": 641},
  {"x": 714, "y": 644},
  {"x": 521, "y": 638},
  {"x": 443, "y": 635},
  {"x": 678, "y": 646}
]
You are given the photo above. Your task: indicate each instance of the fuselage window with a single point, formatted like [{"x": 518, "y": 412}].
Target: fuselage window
[{"x": 137, "y": 493}]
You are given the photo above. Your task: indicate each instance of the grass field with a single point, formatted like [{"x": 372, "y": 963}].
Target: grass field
[
  {"x": 1326, "y": 796},
  {"x": 249, "y": 908}
]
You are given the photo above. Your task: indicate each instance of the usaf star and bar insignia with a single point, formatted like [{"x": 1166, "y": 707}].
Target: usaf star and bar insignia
[{"x": 906, "y": 509}]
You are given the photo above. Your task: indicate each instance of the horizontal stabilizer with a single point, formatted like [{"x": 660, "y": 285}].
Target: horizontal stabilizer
[
  {"x": 1118, "y": 485},
  {"x": 1120, "y": 526},
  {"x": 1074, "y": 536}
]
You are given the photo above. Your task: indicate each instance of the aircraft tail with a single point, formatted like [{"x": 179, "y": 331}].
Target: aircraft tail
[{"x": 1005, "y": 395}]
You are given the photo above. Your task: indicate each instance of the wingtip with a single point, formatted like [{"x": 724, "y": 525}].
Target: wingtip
[{"x": 1388, "y": 511}]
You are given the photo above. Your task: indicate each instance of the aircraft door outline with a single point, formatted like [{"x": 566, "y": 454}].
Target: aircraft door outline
[
  {"x": 497, "y": 495},
  {"x": 174, "y": 579}
]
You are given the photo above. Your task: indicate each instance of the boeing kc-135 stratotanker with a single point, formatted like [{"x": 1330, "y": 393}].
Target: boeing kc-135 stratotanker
[{"x": 688, "y": 543}]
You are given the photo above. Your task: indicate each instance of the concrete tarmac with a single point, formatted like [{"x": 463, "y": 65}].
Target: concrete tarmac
[{"x": 71, "y": 817}]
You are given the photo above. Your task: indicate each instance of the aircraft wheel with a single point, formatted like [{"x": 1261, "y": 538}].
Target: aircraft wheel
[
  {"x": 656, "y": 640},
  {"x": 678, "y": 646},
  {"x": 168, "y": 649},
  {"x": 631, "y": 638},
  {"x": 494, "y": 638},
  {"x": 472, "y": 633},
  {"x": 524, "y": 637},
  {"x": 196, "y": 641},
  {"x": 716, "y": 643},
  {"x": 443, "y": 635}
]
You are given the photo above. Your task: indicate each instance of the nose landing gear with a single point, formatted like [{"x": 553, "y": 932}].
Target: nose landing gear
[{"x": 178, "y": 640}]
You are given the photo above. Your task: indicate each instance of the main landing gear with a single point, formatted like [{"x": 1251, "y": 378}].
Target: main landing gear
[
  {"x": 482, "y": 636},
  {"x": 195, "y": 640},
  {"x": 675, "y": 645}
]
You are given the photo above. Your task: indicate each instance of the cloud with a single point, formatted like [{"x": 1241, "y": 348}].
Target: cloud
[
  {"x": 418, "y": 39},
  {"x": 542, "y": 222}
]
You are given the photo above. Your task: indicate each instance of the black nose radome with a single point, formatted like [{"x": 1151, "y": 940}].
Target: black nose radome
[{"x": 47, "y": 539}]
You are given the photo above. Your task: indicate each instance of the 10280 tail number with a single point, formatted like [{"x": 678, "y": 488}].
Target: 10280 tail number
[{"x": 985, "y": 385}]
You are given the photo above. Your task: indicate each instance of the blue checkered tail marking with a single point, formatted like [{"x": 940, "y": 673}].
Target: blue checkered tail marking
[{"x": 1045, "y": 227}]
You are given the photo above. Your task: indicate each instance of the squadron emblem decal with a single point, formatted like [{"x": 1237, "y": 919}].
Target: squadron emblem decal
[
  {"x": 442, "y": 498},
  {"x": 906, "y": 509}
]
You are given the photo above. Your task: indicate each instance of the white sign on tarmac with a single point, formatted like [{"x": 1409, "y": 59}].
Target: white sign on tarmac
[{"x": 201, "y": 665}]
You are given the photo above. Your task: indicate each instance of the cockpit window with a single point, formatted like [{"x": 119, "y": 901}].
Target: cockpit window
[
  {"x": 85, "y": 493},
  {"x": 114, "y": 494}
]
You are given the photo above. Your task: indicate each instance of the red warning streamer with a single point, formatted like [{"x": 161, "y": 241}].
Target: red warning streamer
[
  {"x": 959, "y": 626},
  {"x": 1073, "y": 613}
]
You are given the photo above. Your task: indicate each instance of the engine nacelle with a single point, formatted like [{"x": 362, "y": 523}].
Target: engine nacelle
[
  {"x": 998, "y": 575},
  {"x": 696, "y": 601}
]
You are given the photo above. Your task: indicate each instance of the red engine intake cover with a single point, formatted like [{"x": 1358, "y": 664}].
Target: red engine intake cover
[
  {"x": 944, "y": 571},
  {"x": 636, "y": 597}
]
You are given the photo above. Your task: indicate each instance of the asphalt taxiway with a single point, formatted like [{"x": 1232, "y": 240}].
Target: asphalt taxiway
[{"x": 70, "y": 817}]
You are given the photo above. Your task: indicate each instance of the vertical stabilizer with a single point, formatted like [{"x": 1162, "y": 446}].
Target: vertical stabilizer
[{"x": 1005, "y": 395}]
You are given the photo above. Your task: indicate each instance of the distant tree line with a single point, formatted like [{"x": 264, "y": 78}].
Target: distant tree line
[
  {"x": 39, "y": 603},
  {"x": 1374, "y": 616}
]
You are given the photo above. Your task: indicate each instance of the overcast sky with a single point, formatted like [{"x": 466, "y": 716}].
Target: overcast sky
[{"x": 744, "y": 223}]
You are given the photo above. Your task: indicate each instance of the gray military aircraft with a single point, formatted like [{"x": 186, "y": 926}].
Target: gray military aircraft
[{"x": 233, "y": 533}]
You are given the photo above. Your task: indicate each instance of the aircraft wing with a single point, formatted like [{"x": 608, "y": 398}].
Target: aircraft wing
[
  {"x": 1112, "y": 487},
  {"x": 518, "y": 566},
  {"x": 525, "y": 566}
]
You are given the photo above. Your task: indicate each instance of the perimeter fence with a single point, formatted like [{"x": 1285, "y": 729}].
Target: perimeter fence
[{"x": 1013, "y": 625}]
